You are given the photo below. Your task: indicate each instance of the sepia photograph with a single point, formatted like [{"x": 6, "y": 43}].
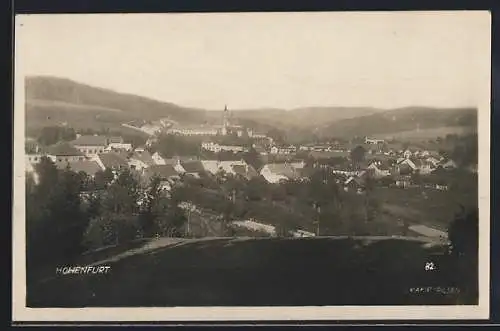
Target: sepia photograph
[{"x": 253, "y": 166}]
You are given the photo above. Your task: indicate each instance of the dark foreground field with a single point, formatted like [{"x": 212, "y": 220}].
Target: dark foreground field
[{"x": 257, "y": 272}]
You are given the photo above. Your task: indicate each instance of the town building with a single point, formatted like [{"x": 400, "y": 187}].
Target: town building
[
  {"x": 166, "y": 173},
  {"x": 379, "y": 169},
  {"x": 90, "y": 145},
  {"x": 217, "y": 148},
  {"x": 373, "y": 141},
  {"x": 192, "y": 168},
  {"x": 112, "y": 160},
  {"x": 277, "y": 172},
  {"x": 140, "y": 160},
  {"x": 235, "y": 168},
  {"x": 354, "y": 184},
  {"x": 64, "y": 153},
  {"x": 89, "y": 167},
  {"x": 283, "y": 149}
]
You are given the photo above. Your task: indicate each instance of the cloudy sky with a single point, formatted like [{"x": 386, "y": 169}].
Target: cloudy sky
[{"x": 282, "y": 60}]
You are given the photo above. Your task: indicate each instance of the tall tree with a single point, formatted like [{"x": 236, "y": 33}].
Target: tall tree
[
  {"x": 122, "y": 195},
  {"x": 358, "y": 154}
]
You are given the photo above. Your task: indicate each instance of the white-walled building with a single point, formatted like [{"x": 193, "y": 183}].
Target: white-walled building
[
  {"x": 216, "y": 148},
  {"x": 90, "y": 145}
]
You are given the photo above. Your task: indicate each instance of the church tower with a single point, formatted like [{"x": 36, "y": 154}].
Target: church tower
[{"x": 225, "y": 121}]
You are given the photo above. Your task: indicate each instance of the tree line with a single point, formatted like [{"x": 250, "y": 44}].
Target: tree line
[{"x": 68, "y": 213}]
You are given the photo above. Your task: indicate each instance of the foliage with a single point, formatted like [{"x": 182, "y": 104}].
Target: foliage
[
  {"x": 54, "y": 217},
  {"x": 102, "y": 179},
  {"x": 464, "y": 237},
  {"x": 278, "y": 136},
  {"x": 122, "y": 195},
  {"x": 358, "y": 154},
  {"x": 50, "y": 135},
  {"x": 464, "y": 233},
  {"x": 169, "y": 145},
  {"x": 157, "y": 213},
  {"x": 111, "y": 229}
]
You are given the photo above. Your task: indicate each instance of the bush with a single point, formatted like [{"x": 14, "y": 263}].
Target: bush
[{"x": 111, "y": 230}]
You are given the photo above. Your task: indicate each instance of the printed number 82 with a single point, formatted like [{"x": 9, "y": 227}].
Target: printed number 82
[{"x": 430, "y": 266}]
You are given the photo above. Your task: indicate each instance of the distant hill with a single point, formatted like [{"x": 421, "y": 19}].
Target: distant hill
[
  {"x": 56, "y": 101},
  {"x": 303, "y": 118},
  {"x": 62, "y": 100},
  {"x": 403, "y": 121}
]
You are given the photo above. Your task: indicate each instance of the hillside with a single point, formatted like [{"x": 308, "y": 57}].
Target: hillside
[
  {"x": 59, "y": 100},
  {"x": 55, "y": 101},
  {"x": 392, "y": 122},
  {"x": 303, "y": 118},
  {"x": 260, "y": 272}
]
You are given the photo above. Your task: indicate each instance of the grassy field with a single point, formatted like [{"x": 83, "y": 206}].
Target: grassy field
[
  {"x": 424, "y": 206},
  {"x": 235, "y": 272}
]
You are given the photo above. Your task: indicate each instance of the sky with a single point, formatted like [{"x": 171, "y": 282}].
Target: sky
[{"x": 266, "y": 60}]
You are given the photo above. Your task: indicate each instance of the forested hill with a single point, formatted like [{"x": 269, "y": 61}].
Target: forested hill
[
  {"x": 404, "y": 119},
  {"x": 68, "y": 96}
]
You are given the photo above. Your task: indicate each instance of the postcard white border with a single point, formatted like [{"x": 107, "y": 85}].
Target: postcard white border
[{"x": 22, "y": 313}]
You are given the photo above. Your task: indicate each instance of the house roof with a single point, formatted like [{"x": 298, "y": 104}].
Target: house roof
[
  {"x": 408, "y": 162},
  {"x": 63, "y": 149},
  {"x": 328, "y": 155},
  {"x": 381, "y": 165},
  {"x": 402, "y": 177},
  {"x": 192, "y": 166},
  {"x": 115, "y": 140},
  {"x": 283, "y": 169},
  {"x": 90, "y": 141},
  {"x": 164, "y": 171},
  {"x": 354, "y": 180},
  {"x": 246, "y": 171},
  {"x": 86, "y": 166},
  {"x": 113, "y": 160},
  {"x": 144, "y": 156}
]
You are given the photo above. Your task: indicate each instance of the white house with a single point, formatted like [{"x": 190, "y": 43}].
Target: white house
[
  {"x": 216, "y": 148},
  {"x": 379, "y": 169},
  {"x": 64, "y": 152},
  {"x": 407, "y": 154},
  {"x": 158, "y": 159},
  {"x": 151, "y": 129},
  {"x": 214, "y": 166},
  {"x": 33, "y": 158},
  {"x": 283, "y": 149},
  {"x": 140, "y": 160},
  {"x": 373, "y": 141},
  {"x": 298, "y": 164},
  {"x": 90, "y": 145},
  {"x": 198, "y": 130},
  {"x": 449, "y": 164},
  {"x": 119, "y": 146},
  {"x": 277, "y": 172}
]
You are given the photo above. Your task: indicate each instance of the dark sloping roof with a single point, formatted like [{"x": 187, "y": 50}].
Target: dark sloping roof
[
  {"x": 246, "y": 171},
  {"x": 113, "y": 160},
  {"x": 163, "y": 171},
  {"x": 355, "y": 181},
  {"x": 328, "y": 155},
  {"x": 90, "y": 141},
  {"x": 86, "y": 166},
  {"x": 192, "y": 166},
  {"x": 63, "y": 149},
  {"x": 144, "y": 157},
  {"x": 115, "y": 139}
]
